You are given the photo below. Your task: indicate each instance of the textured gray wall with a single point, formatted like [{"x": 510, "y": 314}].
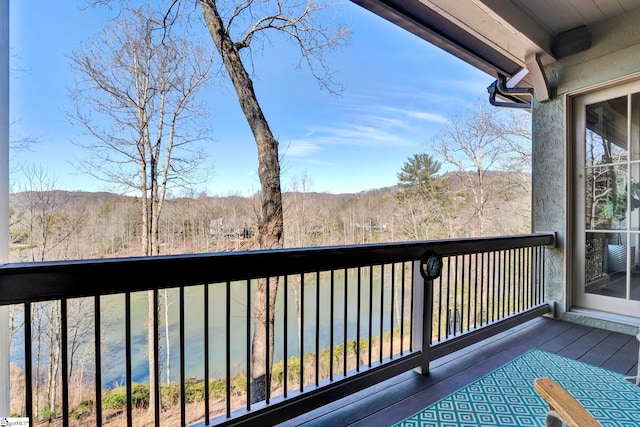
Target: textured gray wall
[{"x": 614, "y": 54}]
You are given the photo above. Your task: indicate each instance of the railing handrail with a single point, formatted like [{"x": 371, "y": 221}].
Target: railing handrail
[
  {"x": 40, "y": 281},
  {"x": 374, "y": 292}
]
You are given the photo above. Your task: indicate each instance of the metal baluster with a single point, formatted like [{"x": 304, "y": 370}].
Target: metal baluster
[
  {"x": 267, "y": 361},
  {"x": 28, "y": 362},
  {"x": 248, "y": 344},
  {"x": 358, "y": 322},
  {"x": 381, "y": 310},
  {"x": 285, "y": 329},
  {"x": 370, "y": 311},
  {"x": 64, "y": 355},
  {"x": 206, "y": 355},
  {"x": 346, "y": 325},
  {"x": 127, "y": 325},
  {"x": 156, "y": 357},
  {"x": 183, "y": 409},
  {"x": 331, "y": 323},
  {"x": 228, "y": 349},
  {"x": 301, "y": 332},
  {"x": 98, "y": 356},
  {"x": 393, "y": 299},
  {"x": 317, "y": 328}
]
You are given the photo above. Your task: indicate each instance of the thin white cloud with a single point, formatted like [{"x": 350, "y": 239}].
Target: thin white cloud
[
  {"x": 420, "y": 115},
  {"x": 300, "y": 148}
]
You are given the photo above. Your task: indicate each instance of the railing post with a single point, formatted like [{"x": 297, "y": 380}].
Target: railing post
[
  {"x": 422, "y": 317},
  {"x": 4, "y": 198}
]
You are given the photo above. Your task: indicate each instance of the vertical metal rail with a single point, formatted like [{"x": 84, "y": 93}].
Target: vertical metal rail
[
  {"x": 403, "y": 266},
  {"x": 346, "y": 324},
  {"x": 267, "y": 359},
  {"x": 483, "y": 293},
  {"x": 28, "y": 363},
  {"x": 455, "y": 295},
  {"x": 412, "y": 304},
  {"x": 156, "y": 358},
  {"x": 382, "y": 311},
  {"x": 207, "y": 413},
  {"x": 127, "y": 323},
  {"x": 183, "y": 409},
  {"x": 535, "y": 274},
  {"x": 64, "y": 365},
  {"x": 492, "y": 279},
  {"x": 358, "y": 323},
  {"x": 447, "y": 297},
  {"x": 301, "y": 332},
  {"x": 475, "y": 290},
  {"x": 525, "y": 269},
  {"x": 438, "y": 314},
  {"x": 466, "y": 264},
  {"x": 98, "y": 359},
  {"x": 512, "y": 288},
  {"x": 517, "y": 282},
  {"x": 501, "y": 276},
  {"x": 393, "y": 299},
  {"x": 317, "y": 327},
  {"x": 521, "y": 273},
  {"x": 331, "y": 332},
  {"x": 529, "y": 253},
  {"x": 248, "y": 344},
  {"x": 541, "y": 275},
  {"x": 370, "y": 312},
  {"x": 285, "y": 346},
  {"x": 512, "y": 280},
  {"x": 228, "y": 349}
]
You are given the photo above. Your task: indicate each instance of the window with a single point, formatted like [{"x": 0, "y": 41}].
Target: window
[{"x": 607, "y": 199}]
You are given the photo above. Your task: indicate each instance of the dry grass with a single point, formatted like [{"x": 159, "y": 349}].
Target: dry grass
[{"x": 195, "y": 412}]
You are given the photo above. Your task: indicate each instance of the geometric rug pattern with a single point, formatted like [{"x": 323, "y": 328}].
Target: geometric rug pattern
[{"x": 506, "y": 397}]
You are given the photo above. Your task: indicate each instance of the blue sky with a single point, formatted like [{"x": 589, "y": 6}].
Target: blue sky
[{"x": 398, "y": 92}]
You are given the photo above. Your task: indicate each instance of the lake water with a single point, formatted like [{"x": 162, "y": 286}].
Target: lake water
[{"x": 113, "y": 329}]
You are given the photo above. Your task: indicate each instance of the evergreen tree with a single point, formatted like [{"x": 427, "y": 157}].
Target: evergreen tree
[{"x": 419, "y": 170}]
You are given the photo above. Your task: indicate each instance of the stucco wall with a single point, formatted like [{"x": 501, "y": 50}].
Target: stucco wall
[{"x": 614, "y": 54}]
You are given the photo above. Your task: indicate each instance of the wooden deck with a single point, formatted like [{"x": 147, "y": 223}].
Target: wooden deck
[{"x": 406, "y": 394}]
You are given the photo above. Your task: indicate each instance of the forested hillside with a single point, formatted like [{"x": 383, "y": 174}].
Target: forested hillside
[{"x": 59, "y": 225}]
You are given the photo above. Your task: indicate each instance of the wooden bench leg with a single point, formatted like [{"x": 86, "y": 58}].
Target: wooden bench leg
[{"x": 553, "y": 419}]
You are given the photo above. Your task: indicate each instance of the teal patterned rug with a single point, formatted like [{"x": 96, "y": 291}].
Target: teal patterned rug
[{"x": 506, "y": 396}]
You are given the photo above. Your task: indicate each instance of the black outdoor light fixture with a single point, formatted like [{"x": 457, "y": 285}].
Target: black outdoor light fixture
[{"x": 430, "y": 265}]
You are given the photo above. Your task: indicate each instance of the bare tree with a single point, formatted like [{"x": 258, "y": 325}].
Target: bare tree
[
  {"x": 136, "y": 96},
  {"x": 296, "y": 211},
  {"x": 46, "y": 215},
  {"x": 236, "y": 27},
  {"x": 477, "y": 145}
]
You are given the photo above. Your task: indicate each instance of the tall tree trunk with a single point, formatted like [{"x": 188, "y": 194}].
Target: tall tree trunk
[{"x": 270, "y": 225}]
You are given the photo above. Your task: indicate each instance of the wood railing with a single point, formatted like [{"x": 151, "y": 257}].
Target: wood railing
[{"x": 345, "y": 318}]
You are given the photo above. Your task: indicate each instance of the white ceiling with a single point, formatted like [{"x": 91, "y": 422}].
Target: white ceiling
[
  {"x": 556, "y": 16},
  {"x": 497, "y": 35}
]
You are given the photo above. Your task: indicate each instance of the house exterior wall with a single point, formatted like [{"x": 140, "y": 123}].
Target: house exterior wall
[{"x": 614, "y": 55}]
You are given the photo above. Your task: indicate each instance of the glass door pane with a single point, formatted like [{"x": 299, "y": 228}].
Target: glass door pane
[{"x": 606, "y": 196}]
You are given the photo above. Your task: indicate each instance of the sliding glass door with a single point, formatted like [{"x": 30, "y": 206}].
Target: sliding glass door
[{"x": 606, "y": 196}]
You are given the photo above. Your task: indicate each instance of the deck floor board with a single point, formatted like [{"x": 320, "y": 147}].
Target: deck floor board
[{"x": 400, "y": 397}]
